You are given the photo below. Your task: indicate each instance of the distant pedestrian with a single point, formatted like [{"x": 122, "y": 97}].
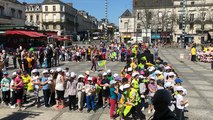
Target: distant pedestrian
[
  {"x": 193, "y": 54},
  {"x": 93, "y": 63}
]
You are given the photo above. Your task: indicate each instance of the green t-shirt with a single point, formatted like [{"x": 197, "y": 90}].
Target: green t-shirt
[
  {"x": 110, "y": 78},
  {"x": 6, "y": 83}
]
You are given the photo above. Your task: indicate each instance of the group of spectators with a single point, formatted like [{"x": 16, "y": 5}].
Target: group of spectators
[
  {"x": 145, "y": 79},
  {"x": 205, "y": 54}
]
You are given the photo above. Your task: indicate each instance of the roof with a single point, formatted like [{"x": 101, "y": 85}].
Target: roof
[
  {"x": 126, "y": 14},
  {"x": 52, "y": 2},
  {"x": 13, "y": 1},
  {"x": 137, "y": 4}
]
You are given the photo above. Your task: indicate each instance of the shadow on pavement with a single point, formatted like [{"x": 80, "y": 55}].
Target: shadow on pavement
[{"x": 22, "y": 115}]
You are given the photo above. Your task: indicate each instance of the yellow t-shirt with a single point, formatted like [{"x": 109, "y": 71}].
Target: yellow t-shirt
[
  {"x": 193, "y": 51},
  {"x": 26, "y": 80},
  {"x": 29, "y": 61}
]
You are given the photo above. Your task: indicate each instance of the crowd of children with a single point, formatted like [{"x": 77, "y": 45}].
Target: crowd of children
[{"x": 126, "y": 93}]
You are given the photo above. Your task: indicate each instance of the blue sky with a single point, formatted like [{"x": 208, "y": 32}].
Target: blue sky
[{"x": 96, "y": 7}]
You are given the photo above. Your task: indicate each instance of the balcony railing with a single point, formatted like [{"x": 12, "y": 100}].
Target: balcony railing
[
  {"x": 5, "y": 17},
  {"x": 53, "y": 20}
]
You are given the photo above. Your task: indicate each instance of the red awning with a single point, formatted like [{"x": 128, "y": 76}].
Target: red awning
[
  {"x": 62, "y": 39},
  {"x": 24, "y": 33},
  {"x": 37, "y": 34},
  {"x": 50, "y": 33}
]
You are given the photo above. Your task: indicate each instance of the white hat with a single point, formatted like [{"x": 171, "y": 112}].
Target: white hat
[
  {"x": 112, "y": 82},
  {"x": 151, "y": 69},
  {"x": 158, "y": 72},
  {"x": 167, "y": 84},
  {"x": 35, "y": 71},
  {"x": 126, "y": 86},
  {"x": 14, "y": 74},
  {"x": 49, "y": 78},
  {"x": 129, "y": 69},
  {"x": 73, "y": 75},
  {"x": 171, "y": 74},
  {"x": 134, "y": 74},
  {"x": 115, "y": 75},
  {"x": 87, "y": 72},
  {"x": 89, "y": 79},
  {"x": 121, "y": 87},
  {"x": 141, "y": 76},
  {"x": 52, "y": 71},
  {"x": 59, "y": 69},
  {"x": 80, "y": 76},
  {"x": 3, "y": 51},
  {"x": 104, "y": 74},
  {"x": 167, "y": 68},
  {"x": 67, "y": 74},
  {"x": 180, "y": 88},
  {"x": 152, "y": 78},
  {"x": 45, "y": 71},
  {"x": 109, "y": 71}
]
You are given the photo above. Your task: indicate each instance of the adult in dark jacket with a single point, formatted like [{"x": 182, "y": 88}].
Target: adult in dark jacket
[
  {"x": 161, "y": 100},
  {"x": 49, "y": 56},
  {"x": 149, "y": 56}
]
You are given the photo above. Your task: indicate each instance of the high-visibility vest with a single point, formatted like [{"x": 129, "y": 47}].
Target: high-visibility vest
[
  {"x": 135, "y": 84},
  {"x": 136, "y": 97}
]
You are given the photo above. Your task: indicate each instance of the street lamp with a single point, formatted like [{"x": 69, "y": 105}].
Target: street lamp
[{"x": 183, "y": 23}]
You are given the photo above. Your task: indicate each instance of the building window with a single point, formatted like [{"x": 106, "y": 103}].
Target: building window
[
  {"x": 62, "y": 8},
  {"x": 139, "y": 15},
  {"x": 181, "y": 3},
  {"x": 191, "y": 26},
  {"x": 13, "y": 12},
  {"x": 54, "y": 26},
  {"x": 20, "y": 14},
  {"x": 203, "y": 16},
  {"x": 192, "y": 3},
  {"x": 180, "y": 18},
  {"x": 62, "y": 27},
  {"x": 37, "y": 17},
  {"x": 62, "y": 17},
  {"x": 54, "y": 17},
  {"x": 46, "y": 8},
  {"x": 54, "y": 8},
  {"x": 1, "y": 10},
  {"x": 31, "y": 18},
  {"x": 191, "y": 17},
  {"x": 37, "y": 8},
  {"x": 47, "y": 26},
  {"x": 46, "y": 17},
  {"x": 180, "y": 25},
  {"x": 126, "y": 25},
  {"x": 202, "y": 26},
  {"x": 138, "y": 26}
]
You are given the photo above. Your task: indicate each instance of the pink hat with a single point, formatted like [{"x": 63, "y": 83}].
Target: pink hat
[{"x": 142, "y": 72}]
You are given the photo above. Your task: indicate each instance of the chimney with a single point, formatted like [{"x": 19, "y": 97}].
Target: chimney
[{"x": 70, "y": 4}]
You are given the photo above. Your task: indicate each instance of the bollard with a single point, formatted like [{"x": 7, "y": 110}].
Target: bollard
[{"x": 181, "y": 57}]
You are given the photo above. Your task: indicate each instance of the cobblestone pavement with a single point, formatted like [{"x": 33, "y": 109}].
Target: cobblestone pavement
[{"x": 198, "y": 80}]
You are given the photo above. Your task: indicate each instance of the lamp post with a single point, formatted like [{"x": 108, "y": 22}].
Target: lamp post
[{"x": 183, "y": 23}]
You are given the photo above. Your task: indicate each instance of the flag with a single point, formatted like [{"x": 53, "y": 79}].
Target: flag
[{"x": 101, "y": 63}]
